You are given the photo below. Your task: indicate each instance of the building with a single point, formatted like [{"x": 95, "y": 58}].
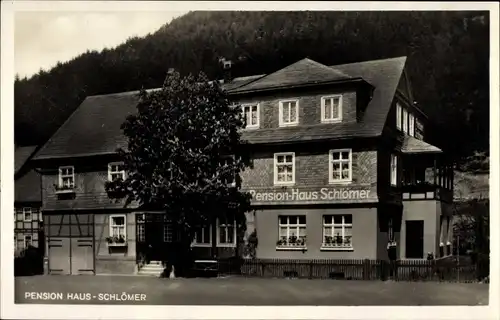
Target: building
[
  {"x": 28, "y": 224},
  {"x": 341, "y": 169}
]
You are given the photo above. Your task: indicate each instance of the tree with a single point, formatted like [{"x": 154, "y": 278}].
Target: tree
[{"x": 184, "y": 157}]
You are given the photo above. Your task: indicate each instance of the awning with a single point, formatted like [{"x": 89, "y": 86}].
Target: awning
[{"x": 414, "y": 145}]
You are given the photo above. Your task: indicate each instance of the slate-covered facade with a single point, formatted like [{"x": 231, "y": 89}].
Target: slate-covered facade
[{"x": 340, "y": 169}]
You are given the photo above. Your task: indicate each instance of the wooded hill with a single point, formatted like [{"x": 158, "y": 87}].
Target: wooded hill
[{"x": 448, "y": 61}]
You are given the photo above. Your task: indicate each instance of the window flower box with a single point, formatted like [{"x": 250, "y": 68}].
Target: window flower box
[
  {"x": 116, "y": 241},
  {"x": 337, "y": 243},
  {"x": 64, "y": 189},
  {"x": 291, "y": 243}
]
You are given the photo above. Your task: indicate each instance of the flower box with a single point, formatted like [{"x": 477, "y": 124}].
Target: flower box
[
  {"x": 64, "y": 190},
  {"x": 116, "y": 241},
  {"x": 291, "y": 243}
]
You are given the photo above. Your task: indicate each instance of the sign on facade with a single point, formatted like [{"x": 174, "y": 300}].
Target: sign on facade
[{"x": 323, "y": 194}]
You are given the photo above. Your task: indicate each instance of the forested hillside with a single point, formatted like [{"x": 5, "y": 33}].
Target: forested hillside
[{"x": 448, "y": 61}]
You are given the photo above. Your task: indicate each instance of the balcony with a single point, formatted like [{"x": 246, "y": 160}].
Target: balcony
[{"x": 427, "y": 172}]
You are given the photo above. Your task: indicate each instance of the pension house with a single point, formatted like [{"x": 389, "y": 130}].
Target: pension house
[{"x": 340, "y": 169}]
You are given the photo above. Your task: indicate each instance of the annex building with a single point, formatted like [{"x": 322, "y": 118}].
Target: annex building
[{"x": 341, "y": 169}]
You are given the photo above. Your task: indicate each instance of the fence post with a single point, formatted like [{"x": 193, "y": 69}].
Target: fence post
[
  {"x": 383, "y": 270},
  {"x": 311, "y": 269},
  {"x": 262, "y": 267},
  {"x": 366, "y": 269}
]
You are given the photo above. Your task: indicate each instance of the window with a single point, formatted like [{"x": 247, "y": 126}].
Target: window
[
  {"x": 394, "y": 169},
  {"x": 405, "y": 121},
  {"x": 168, "y": 231},
  {"x": 288, "y": 113},
  {"x": 284, "y": 168},
  {"x": 15, "y": 243},
  {"x": 117, "y": 226},
  {"x": 331, "y": 108},
  {"x": 67, "y": 177},
  {"x": 203, "y": 236},
  {"x": 251, "y": 114},
  {"x": 226, "y": 232},
  {"x": 337, "y": 231},
  {"x": 27, "y": 241},
  {"x": 292, "y": 231},
  {"x": 411, "y": 128},
  {"x": 399, "y": 116},
  {"x": 27, "y": 214},
  {"x": 116, "y": 171},
  {"x": 340, "y": 166}
]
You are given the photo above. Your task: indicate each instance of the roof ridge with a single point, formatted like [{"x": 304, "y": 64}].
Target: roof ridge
[
  {"x": 369, "y": 61},
  {"x": 327, "y": 67}
]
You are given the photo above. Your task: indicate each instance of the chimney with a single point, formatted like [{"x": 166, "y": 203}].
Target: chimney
[{"x": 226, "y": 68}]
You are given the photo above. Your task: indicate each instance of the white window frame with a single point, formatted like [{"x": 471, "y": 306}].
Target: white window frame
[
  {"x": 203, "y": 230},
  {"x": 290, "y": 228},
  {"x": 281, "y": 112},
  {"x": 334, "y": 228},
  {"x": 223, "y": 225},
  {"x": 31, "y": 240},
  {"x": 25, "y": 209},
  {"x": 250, "y": 105},
  {"x": 394, "y": 170},
  {"x": 399, "y": 117},
  {"x": 275, "y": 165},
  {"x": 72, "y": 175},
  {"x": 323, "y": 114},
  {"x": 411, "y": 125},
  {"x": 111, "y": 224},
  {"x": 341, "y": 161},
  {"x": 110, "y": 172},
  {"x": 405, "y": 120}
]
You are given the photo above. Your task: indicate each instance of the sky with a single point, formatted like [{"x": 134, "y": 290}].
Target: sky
[{"x": 41, "y": 39}]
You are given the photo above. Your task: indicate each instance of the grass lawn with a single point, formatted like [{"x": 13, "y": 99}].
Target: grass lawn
[{"x": 248, "y": 291}]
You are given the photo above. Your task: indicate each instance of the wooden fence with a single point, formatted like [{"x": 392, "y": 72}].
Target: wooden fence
[{"x": 403, "y": 270}]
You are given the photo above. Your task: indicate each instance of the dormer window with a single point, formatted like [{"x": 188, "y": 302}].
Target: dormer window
[
  {"x": 288, "y": 113},
  {"x": 116, "y": 171},
  {"x": 331, "y": 108},
  {"x": 66, "y": 177},
  {"x": 251, "y": 114}
]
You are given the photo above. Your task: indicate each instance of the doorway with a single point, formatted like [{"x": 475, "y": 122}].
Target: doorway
[{"x": 415, "y": 239}]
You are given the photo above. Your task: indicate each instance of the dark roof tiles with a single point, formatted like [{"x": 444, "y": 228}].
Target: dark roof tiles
[{"x": 94, "y": 128}]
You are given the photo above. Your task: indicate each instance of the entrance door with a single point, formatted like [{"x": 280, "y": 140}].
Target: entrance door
[
  {"x": 154, "y": 234},
  {"x": 415, "y": 239}
]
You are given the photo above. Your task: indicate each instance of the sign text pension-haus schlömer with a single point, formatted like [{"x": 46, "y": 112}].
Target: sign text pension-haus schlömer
[{"x": 295, "y": 194}]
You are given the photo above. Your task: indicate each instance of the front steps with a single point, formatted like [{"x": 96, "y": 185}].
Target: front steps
[{"x": 152, "y": 269}]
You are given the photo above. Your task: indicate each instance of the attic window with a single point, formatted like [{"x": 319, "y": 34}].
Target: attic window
[
  {"x": 66, "y": 177},
  {"x": 116, "y": 171},
  {"x": 331, "y": 108},
  {"x": 288, "y": 113},
  {"x": 251, "y": 115}
]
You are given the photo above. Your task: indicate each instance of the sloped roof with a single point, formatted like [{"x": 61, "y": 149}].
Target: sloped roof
[
  {"x": 21, "y": 155},
  {"x": 300, "y": 72},
  {"x": 414, "y": 145},
  {"x": 27, "y": 185},
  {"x": 94, "y": 127}
]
